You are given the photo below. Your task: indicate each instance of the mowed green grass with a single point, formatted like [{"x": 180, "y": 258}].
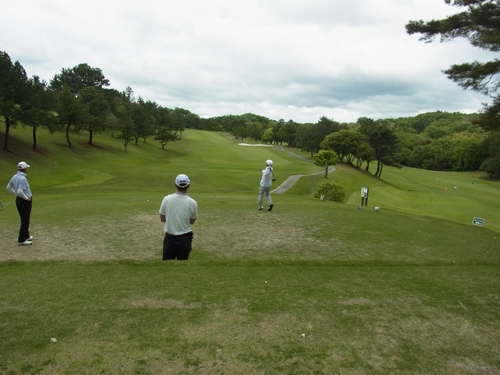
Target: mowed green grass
[{"x": 312, "y": 287}]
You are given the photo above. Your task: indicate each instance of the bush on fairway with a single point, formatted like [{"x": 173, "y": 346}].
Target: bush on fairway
[{"x": 331, "y": 191}]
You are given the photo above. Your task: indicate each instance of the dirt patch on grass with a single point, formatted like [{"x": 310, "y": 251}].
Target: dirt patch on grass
[
  {"x": 245, "y": 235},
  {"x": 259, "y": 234},
  {"x": 469, "y": 367},
  {"x": 92, "y": 239}
]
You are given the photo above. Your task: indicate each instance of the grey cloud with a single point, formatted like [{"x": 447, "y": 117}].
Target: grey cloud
[{"x": 295, "y": 60}]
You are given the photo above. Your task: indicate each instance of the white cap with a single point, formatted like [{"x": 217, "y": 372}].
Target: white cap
[
  {"x": 182, "y": 181},
  {"x": 269, "y": 162},
  {"x": 22, "y": 165}
]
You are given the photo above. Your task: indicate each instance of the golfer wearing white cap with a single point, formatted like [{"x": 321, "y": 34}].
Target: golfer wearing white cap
[
  {"x": 265, "y": 186},
  {"x": 19, "y": 186},
  {"x": 178, "y": 211}
]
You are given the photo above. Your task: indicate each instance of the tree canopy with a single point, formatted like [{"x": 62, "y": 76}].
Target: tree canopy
[
  {"x": 479, "y": 23},
  {"x": 14, "y": 93},
  {"x": 325, "y": 159},
  {"x": 79, "y": 77},
  {"x": 345, "y": 143}
]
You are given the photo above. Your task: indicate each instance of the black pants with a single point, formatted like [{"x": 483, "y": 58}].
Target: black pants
[
  {"x": 24, "y": 209},
  {"x": 177, "y": 247}
]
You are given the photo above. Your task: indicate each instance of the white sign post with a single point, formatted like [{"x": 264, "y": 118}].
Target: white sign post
[
  {"x": 364, "y": 196},
  {"x": 478, "y": 221}
]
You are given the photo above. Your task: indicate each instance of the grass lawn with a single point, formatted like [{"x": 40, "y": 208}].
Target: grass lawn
[{"x": 312, "y": 287}]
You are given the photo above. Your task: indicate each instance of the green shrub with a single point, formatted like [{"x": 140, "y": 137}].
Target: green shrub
[{"x": 331, "y": 191}]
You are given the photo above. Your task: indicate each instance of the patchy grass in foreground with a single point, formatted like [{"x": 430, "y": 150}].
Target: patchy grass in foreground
[
  {"x": 316, "y": 288},
  {"x": 152, "y": 318}
]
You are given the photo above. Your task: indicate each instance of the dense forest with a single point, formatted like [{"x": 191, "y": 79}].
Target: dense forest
[{"x": 78, "y": 99}]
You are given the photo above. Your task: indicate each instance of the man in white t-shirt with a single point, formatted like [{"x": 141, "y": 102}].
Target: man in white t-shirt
[{"x": 178, "y": 211}]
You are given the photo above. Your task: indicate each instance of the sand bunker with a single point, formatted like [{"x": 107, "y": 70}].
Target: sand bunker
[{"x": 258, "y": 144}]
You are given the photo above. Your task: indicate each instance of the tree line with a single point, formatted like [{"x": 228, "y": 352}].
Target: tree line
[
  {"x": 78, "y": 98},
  {"x": 478, "y": 23},
  {"x": 435, "y": 140}
]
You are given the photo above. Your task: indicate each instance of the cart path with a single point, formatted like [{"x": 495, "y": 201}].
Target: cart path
[{"x": 290, "y": 181}]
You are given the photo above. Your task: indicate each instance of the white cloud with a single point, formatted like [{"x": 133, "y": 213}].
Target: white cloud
[{"x": 293, "y": 60}]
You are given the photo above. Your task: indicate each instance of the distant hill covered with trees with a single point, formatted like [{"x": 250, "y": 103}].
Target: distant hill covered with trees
[{"x": 78, "y": 99}]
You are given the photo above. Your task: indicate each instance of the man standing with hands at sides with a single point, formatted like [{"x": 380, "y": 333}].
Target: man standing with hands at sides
[
  {"x": 178, "y": 211},
  {"x": 265, "y": 185},
  {"x": 19, "y": 186}
]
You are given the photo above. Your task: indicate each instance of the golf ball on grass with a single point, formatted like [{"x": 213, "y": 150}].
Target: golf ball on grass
[{"x": 377, "y": 208}]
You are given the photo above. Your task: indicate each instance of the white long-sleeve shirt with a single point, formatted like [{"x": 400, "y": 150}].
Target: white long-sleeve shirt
[
  {"x": 19, "y": 186},
  {"x": 267, "y": 177}
]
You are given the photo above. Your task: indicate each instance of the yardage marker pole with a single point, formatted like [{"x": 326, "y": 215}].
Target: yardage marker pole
[{"x": 364, "y": 196}]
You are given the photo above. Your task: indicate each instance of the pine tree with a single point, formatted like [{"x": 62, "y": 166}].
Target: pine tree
[{"x": 479, "y": 23}]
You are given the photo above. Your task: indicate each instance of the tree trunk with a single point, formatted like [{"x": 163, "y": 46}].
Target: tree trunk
[
  {"x": 7, "y": 130},
  {"x": 326, "y": 171},
  {"x": 91, "y": 134},
  {"x": 67, "y": 134},
  {"x": 34, "y": 136},
  {"x": 378, "y": 168},
  {"x": 381, "y": 168}
]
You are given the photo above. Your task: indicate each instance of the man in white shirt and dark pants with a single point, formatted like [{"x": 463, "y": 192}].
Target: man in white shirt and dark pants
[
  {"x": 19, "y": 186},
  {"x": 178, "y": 211}
]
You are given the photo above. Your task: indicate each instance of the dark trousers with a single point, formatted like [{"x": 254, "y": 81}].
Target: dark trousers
[
  {"x": 177, "y": 247},
  {"x": 24, "y": 209}
]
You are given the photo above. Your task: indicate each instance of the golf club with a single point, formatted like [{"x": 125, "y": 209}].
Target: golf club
[{"x": 4, "y": 207}]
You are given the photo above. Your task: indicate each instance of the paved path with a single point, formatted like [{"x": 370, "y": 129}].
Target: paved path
[{"x": 290, "y": 181}]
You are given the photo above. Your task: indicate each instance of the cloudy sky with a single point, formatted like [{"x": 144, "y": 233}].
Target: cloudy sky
[{"x": 293, "y": 60}]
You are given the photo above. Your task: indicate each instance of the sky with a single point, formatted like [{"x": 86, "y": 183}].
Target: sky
[{"x": 293, "y": 60}]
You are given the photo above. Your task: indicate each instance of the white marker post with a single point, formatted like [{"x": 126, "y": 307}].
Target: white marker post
[{"x": 364, "y": 196}]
